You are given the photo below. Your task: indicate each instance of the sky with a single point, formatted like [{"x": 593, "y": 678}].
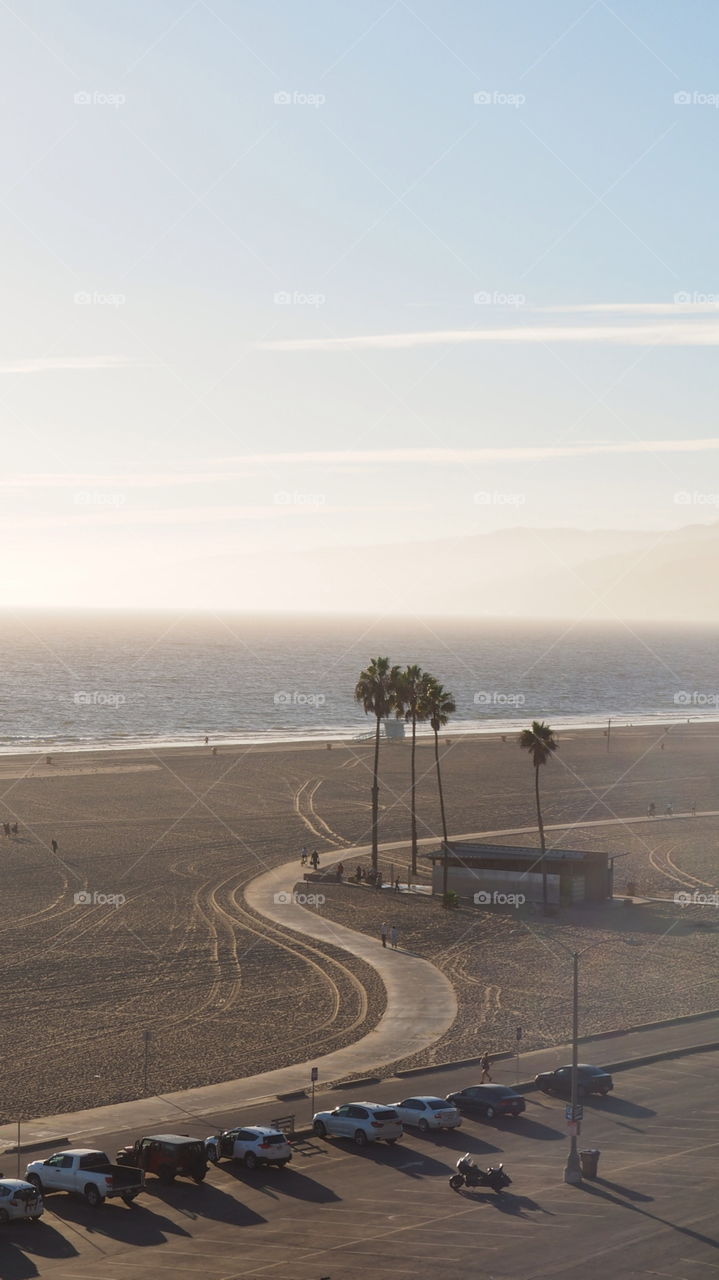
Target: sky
[{"x": 291, "y": 276}]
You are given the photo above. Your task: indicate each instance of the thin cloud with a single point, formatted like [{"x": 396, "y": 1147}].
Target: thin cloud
[
  {"x": 700, "y": 333},
  {"x": 463, "y": 457},
  {"x": 48, "y": 364}
]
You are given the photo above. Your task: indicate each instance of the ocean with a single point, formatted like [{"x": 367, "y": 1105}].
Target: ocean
[{"x": 91, "y": 680}]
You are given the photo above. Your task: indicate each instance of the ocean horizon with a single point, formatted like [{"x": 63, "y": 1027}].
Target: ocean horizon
[{"x": 93, "y": 680}]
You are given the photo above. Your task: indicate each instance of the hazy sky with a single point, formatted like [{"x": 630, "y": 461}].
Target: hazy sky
[{"x": 300, "y": 274}]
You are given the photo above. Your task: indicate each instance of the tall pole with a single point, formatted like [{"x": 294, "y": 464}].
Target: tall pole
[
  {"x": 573, "y": 1170},
  {"x": 609, "y": 731}
]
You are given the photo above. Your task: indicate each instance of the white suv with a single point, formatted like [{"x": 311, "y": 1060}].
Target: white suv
[
  {"x": 252, "y": 1144},
  {"x": 19, "y": 1199},
  {"x": 363, "y": 1121}
]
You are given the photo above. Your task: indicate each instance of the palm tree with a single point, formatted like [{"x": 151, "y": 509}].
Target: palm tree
[
  {"x": 438, "y": 705},
  {"x": 376, "y": 689},
  {"x": 540, "y": 742},
  {"x": 410, "y": 694}
]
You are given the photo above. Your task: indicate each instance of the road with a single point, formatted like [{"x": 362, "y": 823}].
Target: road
[{"x": 345, "y": 1213}]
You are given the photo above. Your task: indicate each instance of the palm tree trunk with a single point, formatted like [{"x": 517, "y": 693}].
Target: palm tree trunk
[
  {"x": 445, "y": 859},
  {"x": 413, "y": 802},
  {"x": 375, "y": 796},
  {"x": 540, "y": 824}
]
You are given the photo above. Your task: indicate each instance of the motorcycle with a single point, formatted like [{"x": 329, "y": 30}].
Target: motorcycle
[{"x": 471, "y": 1175}]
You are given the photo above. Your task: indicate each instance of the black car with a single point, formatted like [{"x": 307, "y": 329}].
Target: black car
[
  {"x": 488, "y": 1101},
  {"x": 589, "y": 1080}
]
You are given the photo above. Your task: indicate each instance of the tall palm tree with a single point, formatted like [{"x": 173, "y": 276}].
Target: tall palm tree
[
  {"x": 410, "y": 705},
  {"x": 540, "y": 742},
  {"x": 376, "y": 689},
  {"x": 438, "y": 705}
]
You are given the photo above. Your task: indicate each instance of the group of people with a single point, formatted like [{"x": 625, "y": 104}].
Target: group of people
[
  {"x": 9, "y": 830},
  {"x": 313, "y": 858},
  {"x": 669, "y": 811},
  {"x": 392, "y": 934}
]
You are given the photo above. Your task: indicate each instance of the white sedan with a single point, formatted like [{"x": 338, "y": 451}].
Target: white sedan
[
  {"x": 427, "y": 1112},
  {"x": 19, "y": 1199}
]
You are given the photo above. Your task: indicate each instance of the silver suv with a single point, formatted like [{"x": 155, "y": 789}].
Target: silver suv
[{"x": 363, "y": 1121}]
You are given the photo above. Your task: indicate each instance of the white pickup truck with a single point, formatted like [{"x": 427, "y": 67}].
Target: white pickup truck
[{"x": 87, "y": 1173}]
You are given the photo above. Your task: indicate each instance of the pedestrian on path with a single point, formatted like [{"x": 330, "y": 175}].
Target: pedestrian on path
[
  {"x": 303, "y": 856},
  {"x": 315, "y": 859},
  {"x": 485, "y": 1063},
  {"x": 383, "y": 933},
  {"x": 393, "y": 937}
]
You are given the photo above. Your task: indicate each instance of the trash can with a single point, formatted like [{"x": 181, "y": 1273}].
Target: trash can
[{"x": 589, "y": 1161}]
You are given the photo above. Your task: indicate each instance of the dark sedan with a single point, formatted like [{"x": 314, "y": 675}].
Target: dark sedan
[
  {"x": 488, "y": 1101},
  {"x": 589, "y": 1080}
]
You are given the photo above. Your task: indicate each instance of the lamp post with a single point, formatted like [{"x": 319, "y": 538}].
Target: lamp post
[{"x": 573, "y": 1169}]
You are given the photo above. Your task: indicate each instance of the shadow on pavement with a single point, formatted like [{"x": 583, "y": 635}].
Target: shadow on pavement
[
  {"x": 204, "y": 1201},
  {"x": 627, "y": 1192},
  {"x": 460, "y": 1140},
  {"x": 404, "y": 1159},
  {"x": 138, "y": 1223},
  {"x": 22, "y": 1242},
  {"x": 526, "y": 1128},
  {"x": 622, "y": 1107},
  {"x": 289, "y": 1185},
  {"x": 590, "y": 1188},
  {"x": 515, "y": 1206}
]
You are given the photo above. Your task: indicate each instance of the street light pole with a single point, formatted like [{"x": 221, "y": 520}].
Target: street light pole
[{"x": 573, "y": 1170}]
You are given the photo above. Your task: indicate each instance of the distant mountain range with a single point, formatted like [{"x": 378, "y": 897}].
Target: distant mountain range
[{"x": 520, "y": 572}]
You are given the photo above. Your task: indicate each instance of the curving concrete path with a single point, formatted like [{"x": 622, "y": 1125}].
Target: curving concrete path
[
  {"x": 421, "y": 1006},
  {"x": 421, "y": 1003}
]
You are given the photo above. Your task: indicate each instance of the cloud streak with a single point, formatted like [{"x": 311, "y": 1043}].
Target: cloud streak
[
  {"x": 50, "y": 364},
  {"x": 464, "y": 457}
]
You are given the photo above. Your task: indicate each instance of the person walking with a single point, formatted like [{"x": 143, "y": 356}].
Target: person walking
[
  {"x": 393, "y": 937},
  {"x": 396, "y": 885},
  {"x": 303, "y": 856},
  {"x": 54, "y": 845},
  {"x": 383, "y": 933},
  {"x": 315, "y": 859},
  {"x": 485, "y": 1063},
  {"x": 340, "y": 870}
]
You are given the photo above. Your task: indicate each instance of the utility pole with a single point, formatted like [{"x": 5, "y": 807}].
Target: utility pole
[
  {"x": 609, "y": 731},
  {"x": 146, "y": 1036},
  {"x": 573, "y": 1170}
]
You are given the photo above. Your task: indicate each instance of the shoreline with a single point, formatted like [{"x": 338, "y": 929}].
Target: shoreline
[{"x": 9, "y": 754}]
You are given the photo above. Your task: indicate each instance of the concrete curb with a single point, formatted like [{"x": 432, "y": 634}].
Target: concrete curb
[{"x": 49, "y": 1143}]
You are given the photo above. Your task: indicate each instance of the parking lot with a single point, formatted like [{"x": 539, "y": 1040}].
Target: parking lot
[{"x": 341, "y": 1212}]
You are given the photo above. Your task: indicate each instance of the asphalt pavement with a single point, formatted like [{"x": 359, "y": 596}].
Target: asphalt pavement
[{"x": 343, "y": 1212}]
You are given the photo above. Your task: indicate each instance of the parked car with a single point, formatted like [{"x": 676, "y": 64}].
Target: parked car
[
  {"x": 87, "y": 1173},
  {"x": 589, "y": 1080},
  {"x": 252, "y": 1145},
  {"x": 19, "y": 1199},
  {"x": 428, "y": 1112},
  {"x": 168, "y": 1155},
  {"x": 488, "y": 1101},
  {"x": 363, "y": 1121}
]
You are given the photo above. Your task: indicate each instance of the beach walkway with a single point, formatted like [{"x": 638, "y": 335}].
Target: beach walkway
[{"x": 421, "y": 1006}]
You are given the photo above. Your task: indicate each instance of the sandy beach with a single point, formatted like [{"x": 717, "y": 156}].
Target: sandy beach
[{"x": 166, "y": 840}]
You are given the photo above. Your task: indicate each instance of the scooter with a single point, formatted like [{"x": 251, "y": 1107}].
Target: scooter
[{"x": 471, "y": 1175}]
